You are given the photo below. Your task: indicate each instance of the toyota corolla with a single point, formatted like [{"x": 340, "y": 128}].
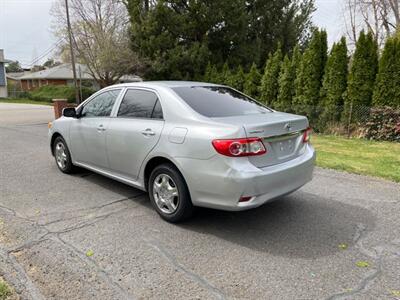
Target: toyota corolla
[{"x": 187, "y": 144}]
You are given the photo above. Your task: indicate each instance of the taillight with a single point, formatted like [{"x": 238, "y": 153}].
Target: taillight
[
  {"x": 307, "y": 135},
  {"x": 245, "y": 199},
  {"x": 240, "y": 147}
]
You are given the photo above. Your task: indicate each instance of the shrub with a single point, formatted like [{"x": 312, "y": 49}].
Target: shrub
[
  {"x": 383, "y": 125},
  {"x": 49, "y": 92}
]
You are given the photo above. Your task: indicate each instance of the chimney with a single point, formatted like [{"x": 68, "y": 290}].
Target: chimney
[{"x": 1, "y": 55}]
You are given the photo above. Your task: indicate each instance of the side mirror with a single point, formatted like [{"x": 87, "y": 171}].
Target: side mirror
[{"x": 69, "y": 112}]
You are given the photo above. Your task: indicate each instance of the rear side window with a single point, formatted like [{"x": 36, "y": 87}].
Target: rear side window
[
  {"x": 140, "y": 104},
  {"x": 219, "y": 101}
]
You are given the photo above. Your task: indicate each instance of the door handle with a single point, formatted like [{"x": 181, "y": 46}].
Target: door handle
[
  {"x": 148, "y": 132},
  {"x": 101, "y": 128}
]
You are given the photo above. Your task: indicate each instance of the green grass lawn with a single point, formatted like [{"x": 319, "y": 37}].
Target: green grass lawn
[
  {"x": 5, "y": 290},
  {"x": 380, "y": 159},
  {"x": 25, "y": 101}
]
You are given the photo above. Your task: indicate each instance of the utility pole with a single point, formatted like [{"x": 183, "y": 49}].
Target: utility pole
[{"x": 72, "y": 54}]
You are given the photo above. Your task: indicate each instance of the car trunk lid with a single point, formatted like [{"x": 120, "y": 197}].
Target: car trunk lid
[{"x": 282, "y": 135}]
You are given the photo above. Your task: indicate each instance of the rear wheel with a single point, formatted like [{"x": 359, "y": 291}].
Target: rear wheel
[
  {"x": 62, "y": 156},
  {"x": 169, "y": 194}
]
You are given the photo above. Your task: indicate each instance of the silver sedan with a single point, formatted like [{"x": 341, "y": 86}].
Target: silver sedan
[{"x": 188, "y": 144}]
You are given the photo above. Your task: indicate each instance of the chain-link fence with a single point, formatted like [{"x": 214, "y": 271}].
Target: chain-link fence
[
  {"x": 379, "y": 123},
  {"x": 15, "y": 91},
  {"x": 16, "y": 94}
]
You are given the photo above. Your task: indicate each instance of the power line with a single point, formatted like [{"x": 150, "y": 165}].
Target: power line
[{"x": 46, "y": 52}]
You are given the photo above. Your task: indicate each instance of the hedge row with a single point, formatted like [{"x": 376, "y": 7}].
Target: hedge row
[{"x": 49, "y": 92}]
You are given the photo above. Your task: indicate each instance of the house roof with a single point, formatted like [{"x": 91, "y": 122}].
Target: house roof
[
  {"x": 16, "y": 75},
  {"x": 64, "y": 71}
]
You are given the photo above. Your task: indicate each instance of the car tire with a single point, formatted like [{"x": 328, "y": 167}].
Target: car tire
[
  {"x": 164, "y": 181},
  {"x": 63, "y": 156}
]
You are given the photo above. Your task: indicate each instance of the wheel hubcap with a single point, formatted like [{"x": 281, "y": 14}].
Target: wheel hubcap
[
  {"x": 61, "y": 156},
  {"x": 165, "y": 194}
]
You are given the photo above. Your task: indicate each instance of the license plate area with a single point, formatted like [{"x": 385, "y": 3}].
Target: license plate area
[{"x": 284, "y": 146}]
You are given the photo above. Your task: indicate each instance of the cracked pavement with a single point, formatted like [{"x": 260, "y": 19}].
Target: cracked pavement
[{"x": 288, "y": 249}]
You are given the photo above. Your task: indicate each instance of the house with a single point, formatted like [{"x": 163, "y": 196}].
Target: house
[
  {"x": 62, "y": 75},
  {"x": 14, "y": 77},
  {"x": 3, "y": 81}
]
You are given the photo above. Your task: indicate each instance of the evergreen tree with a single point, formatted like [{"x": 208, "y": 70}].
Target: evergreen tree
[
  {"x": 226, "y": 76},
  {"x": 334, "y": 84},
  {"x": 362, "y": 77},
  {"x": 215, "y": 76},
  {"x": 269, "y": 82},
  {"x": 179, "y": 37},
  {"x": 310, "y": 74},
  {"x": 251, "y": 85},
  {"x": 287, "y": 79},
  {"x": 387, "y": 87},
  {"x": 238, "y": 79},
  {"x": 208, "y": 73}
]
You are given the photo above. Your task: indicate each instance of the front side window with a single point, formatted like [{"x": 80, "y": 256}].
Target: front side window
[
  {"x": 140, "y": 104},
  {"x": 219, "y": 101},
  {"x": 101, "y": 105}
]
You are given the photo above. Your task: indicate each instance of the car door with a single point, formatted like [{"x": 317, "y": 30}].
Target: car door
[
  {"x": 134, "y": 132},
  {"x": 88, "y": 132}
]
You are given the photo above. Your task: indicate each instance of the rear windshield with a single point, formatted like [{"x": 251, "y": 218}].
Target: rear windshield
[{"x": 218, "y": 101}]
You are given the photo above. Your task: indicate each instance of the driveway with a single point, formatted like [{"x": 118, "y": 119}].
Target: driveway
[{"x": 88, "y": 237}]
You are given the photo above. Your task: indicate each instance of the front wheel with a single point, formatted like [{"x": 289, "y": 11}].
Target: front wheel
[
  {"x": 62, "y": 156},
  {"x": 169, "y": 194}
]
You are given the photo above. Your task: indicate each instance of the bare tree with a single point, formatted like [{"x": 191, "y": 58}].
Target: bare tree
[
  {"x": 101, "y": 37},
  {"x": 381, "y": 17},
  {"x": 350, "y": 18},
  {"x": 394, "y": 6}
]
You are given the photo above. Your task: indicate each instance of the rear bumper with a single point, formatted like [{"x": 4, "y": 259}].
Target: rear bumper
[{"x": 220, "y": 182}]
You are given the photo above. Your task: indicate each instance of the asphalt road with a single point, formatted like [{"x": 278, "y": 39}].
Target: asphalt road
[
  {"x": 88, "y": 237},
  {"x": 17, "y": 114}
]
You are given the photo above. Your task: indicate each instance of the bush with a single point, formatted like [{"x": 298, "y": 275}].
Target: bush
[
  {"x": 383, "y": 125},
  {"x": 49, "y": 92}
]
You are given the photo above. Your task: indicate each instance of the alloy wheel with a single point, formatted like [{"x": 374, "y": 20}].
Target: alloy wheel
[
  {"x": 165, "y": 193},
  {"x": 61, "y": 155}
]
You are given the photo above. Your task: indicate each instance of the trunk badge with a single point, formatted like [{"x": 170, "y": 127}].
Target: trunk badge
[{"x": 288, "y": 126}]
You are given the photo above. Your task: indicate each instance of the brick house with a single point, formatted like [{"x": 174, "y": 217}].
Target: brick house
[{"x": 62, "y": 75}]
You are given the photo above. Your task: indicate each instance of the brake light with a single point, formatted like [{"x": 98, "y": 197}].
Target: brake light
[
  {"x": 245, "y": 199},
  {"x": 307, "y": 135},
  {"x": 240, "y": 147}
]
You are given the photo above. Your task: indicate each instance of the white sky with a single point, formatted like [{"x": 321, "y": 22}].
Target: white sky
[{"x": 25, "y": 27}]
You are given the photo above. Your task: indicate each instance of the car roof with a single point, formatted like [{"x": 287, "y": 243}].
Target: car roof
[{"x": 166, "y": 83}]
